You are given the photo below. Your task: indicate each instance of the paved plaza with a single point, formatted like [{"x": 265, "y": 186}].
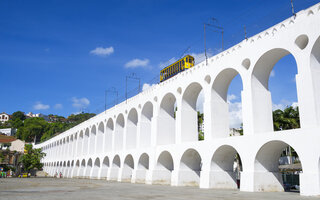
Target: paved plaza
[{"x": 53, "y": 188}]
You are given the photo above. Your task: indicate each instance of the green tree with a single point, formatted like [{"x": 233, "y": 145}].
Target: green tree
[
  {"x": 33, "y": 128},
  {"x": 31, "y": 159},
  {"x": 286, "y": 119},
  {"x": 200, "y": 122},
  {"x": 18, "y": 115}
]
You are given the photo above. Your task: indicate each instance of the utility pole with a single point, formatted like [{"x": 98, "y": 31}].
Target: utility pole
[
  {"x": 292, "y": 9},
  {"x": 217, "y": 29},
  {"x": 245, "y": 32},
  {"x": 205, "y": 48},
  {"x": 132, "y": 76}
]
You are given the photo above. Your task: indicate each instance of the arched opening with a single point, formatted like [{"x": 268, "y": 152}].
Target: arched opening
[
  {"x": 82, "y": 168},
  {"x": 164, "y": 168},
  {"x": 226, "y": 167},
  {"x": 86, "y": 142},
  {"x": 109, "y": 133},
  {"x": 88, "y": 169},
  {"x": 127, "y": 169},
  {"x": 166, "y": 120},
  {"x": 132, "y": 129},
  {"x": 143, "y": 166},
  {"x": 75, "y": 146},
  {"x": 315, "y": 71},
  {"x": 226, "y": 113},
  {"x": 118, "y": 136},
  {"x": 190, "y": 168},
  {"x": 71, "y": 146},
  {"x": 274, "y": 73},
  {"x": 92, "y": 144},
  {"x": 63, "y": 146},
  {"x": 190, "y": 114},
  {"x": 115, "y": 168},
  {"x": 67, "y": 146},
  {"x": 145, "y": 125},
  {"x": 95, "y": 169},
  {"x": 70, "y": 175},
  {"x": 277, "y": 167},
  {"x": 66, "y": 173},
  {"x": 99, "y": 147},
  {"x": 105, "y": 167},
  {"x": 63, "y": 169},
  {"x": 76, "y": 169}
]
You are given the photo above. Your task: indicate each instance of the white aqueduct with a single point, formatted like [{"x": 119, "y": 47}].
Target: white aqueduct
[{"x": 144, "y": 141}]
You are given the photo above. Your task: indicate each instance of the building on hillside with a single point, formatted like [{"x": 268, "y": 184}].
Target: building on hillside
[
  {"x": 5, "y": 141},
  {"x": 234, "y": 132},
  {"x": 4, "y": 117},
  {"x": 30, "y": 115},
  {"x": 8, "y": 131},
  {"x": 17, "y": 145}
]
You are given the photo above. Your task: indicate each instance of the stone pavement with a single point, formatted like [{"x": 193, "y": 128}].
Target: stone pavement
[{"x": 77, "y": 189}]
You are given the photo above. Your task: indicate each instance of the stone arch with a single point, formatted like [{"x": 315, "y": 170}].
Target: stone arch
[
  {"x": 267, "y": 176},
  {"x": 166, "y": 122},
  {"x": 119, "y": 132},
  {"x": 127, "y": 170},
  {"x": 145, "y": 124},
  {"x": 190, "y": 168},
  {"x": 219, "y": 102},
  {"x": 115, "y": 168},
  {"x": 86, "y": 141},
  {"x": 82, "y": 168},
  {"x": 132, "y": 127},
  {"x": 104, "y": 167},
  {"x": 261, "y": 96},
  {"x": 99, "y": 146},
  {"x": 315, "y": 72},
  {"x": 108, "y": 137},
  {"x": 164, "y": 168},
  {"x": 71, "y": 145},
  {"x": 95, "y": 169},
  {"x": 189, "y": 113},
  {"x": 92, "y": 139},
  {"x": 88, "y": 168},
  {"x": 143, "y": 166},
  {"x": 222, "y": 173}
]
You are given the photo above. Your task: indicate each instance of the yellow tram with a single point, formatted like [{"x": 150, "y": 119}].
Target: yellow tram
[{"x": 177, "y": 67}]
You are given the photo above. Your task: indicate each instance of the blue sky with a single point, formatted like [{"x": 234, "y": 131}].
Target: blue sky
[{"x": 60, "y": 56}]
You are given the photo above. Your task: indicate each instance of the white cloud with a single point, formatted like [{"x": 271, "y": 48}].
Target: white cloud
[
  {"x": 235, "y": 114},
  {"x": 80, "y": 102},
  {"x": 137, "y": 63},
  {"x": 231, "y": 97},
  {"x": 295, "y": 104},
  {"x": 147, "y": 86},
  {"x": 200, "y": 100},
  {"x": 282, "y": 104},
  {"x": 272, "y": 73},
  {"x": 100, "y": 51},
  {"x": 40, "y": 106},
  {"x": 58, "y": 106}
]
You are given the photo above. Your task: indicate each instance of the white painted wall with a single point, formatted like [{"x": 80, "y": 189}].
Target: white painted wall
[{"x": 145, "y": 140}]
